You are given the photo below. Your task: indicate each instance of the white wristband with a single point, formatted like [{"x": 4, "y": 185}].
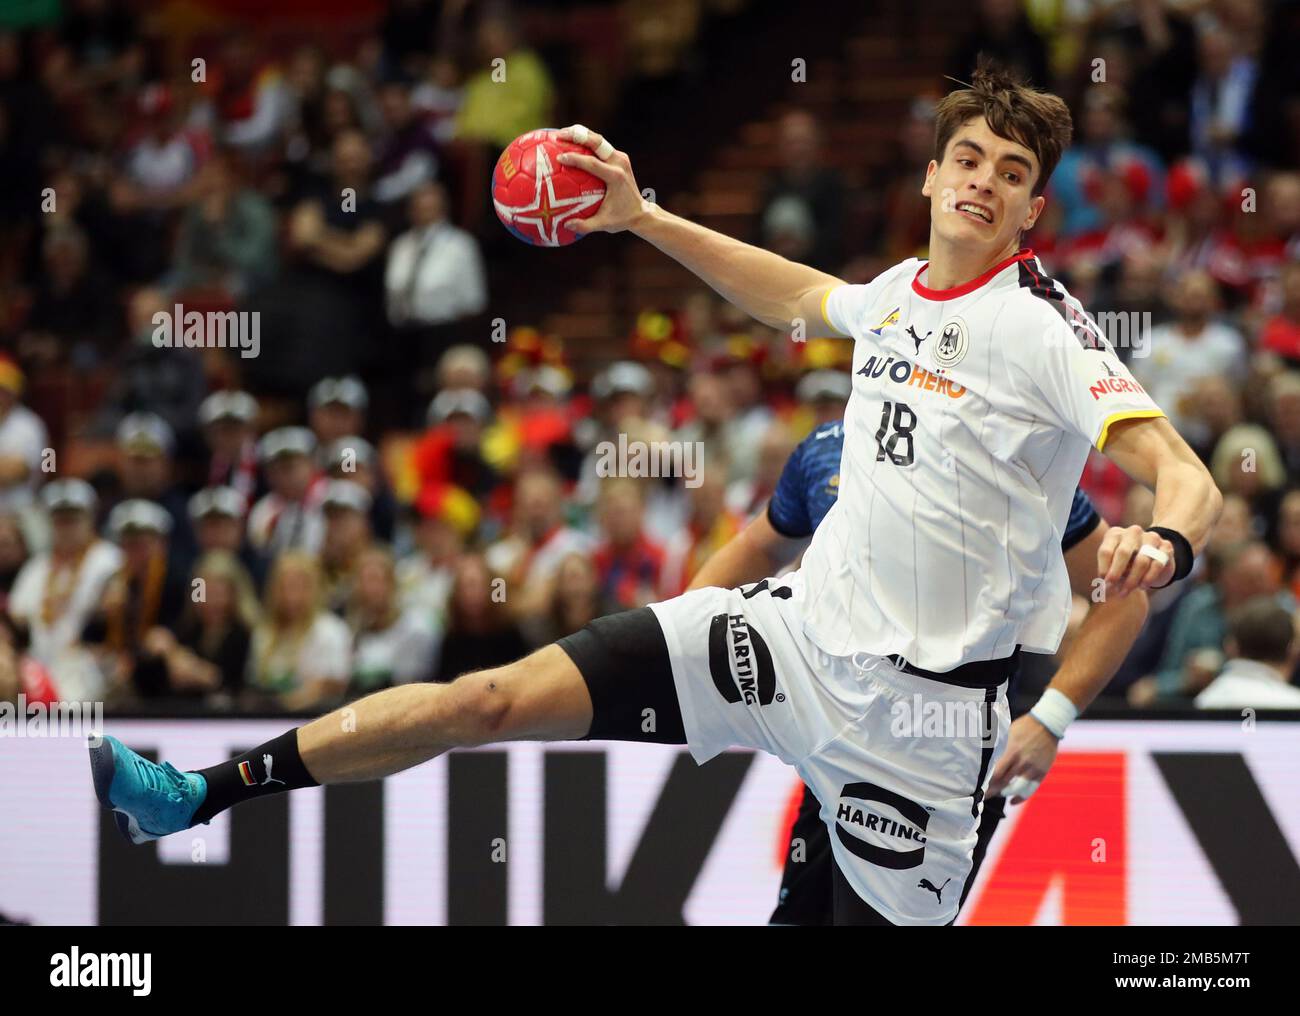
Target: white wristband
[{"x": 1055, "y": 711}]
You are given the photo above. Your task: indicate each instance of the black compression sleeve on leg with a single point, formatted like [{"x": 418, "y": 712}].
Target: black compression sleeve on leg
[{"x": 271, "y": 768}]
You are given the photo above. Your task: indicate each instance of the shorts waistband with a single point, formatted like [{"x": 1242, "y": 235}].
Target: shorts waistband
[{"x": 979, "y": 674}]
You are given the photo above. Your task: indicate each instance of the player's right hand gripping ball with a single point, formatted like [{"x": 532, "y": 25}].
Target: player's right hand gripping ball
[{"x": 535, "y": 194}]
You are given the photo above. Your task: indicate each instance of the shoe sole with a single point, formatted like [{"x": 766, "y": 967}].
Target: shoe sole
[{"x": 102, "y": 770}]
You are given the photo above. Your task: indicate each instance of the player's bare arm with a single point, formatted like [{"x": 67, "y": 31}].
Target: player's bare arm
[
  {"x": 775, "y": 291},
  {"x": 754, "y": 553},
  {"x": 1187, "y": 502},
  {"x": 1107, "y": 635}
]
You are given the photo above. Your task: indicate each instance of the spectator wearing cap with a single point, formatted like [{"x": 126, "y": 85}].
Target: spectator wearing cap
[
  {"x": 168, "y": 381},
  {"x": 23, "y": 443},
  {"x": 354, "y": 458},
  {"x": 146, "y": 457},
  {"x": 146, "y": 593},
  {"x": 336, "y": 408},
  {"x": 537, "y": 540},
  {"x": 289, "y": 515},
  {"x": 157, "y": 174},
  {"x": 825, "y": 393},
  {"x": 537, "y": 426},
  {"x": 1195, "y": 345},
  {"x": 207, "y": 654},
  {"x": 346, "y": 506},
  {"x": 58, "y": 590},
  {"x": 628, "y": 561},
  {"x": 451, "y": 450},
  {"x": 464, "y": 366},
  {"x": 217, "y": 517},
  {"x": 1261, "y": 651},
  {"x": 623, "y": 394},
  {"x": 481, "y": 631},
  {"x": 301, "y": 653},
  {"x": 227, "y": 419},
  {"x": 446, "y": 518},
  {"x": 391, "y": 644},
  {"x": 162, "y": 158}
]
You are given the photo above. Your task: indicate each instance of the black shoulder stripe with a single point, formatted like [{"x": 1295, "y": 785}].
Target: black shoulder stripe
[{"x": 1043, "y": 286}]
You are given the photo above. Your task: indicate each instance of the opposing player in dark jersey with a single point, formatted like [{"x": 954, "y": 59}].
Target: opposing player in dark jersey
[{"x": 808, "y": 487}]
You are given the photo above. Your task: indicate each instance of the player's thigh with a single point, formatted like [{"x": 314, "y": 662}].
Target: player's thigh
[
  {"x": 747, "y": 675},
  {"x": 627, "y": 668}
]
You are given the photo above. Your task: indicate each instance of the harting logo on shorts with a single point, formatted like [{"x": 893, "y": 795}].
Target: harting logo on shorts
[
  {"x": 878, "y": 826},
  {"x": 731, "y": 639}
]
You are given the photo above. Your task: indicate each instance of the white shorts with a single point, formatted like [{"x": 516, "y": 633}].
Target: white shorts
[{"x": 900, "y": 762}]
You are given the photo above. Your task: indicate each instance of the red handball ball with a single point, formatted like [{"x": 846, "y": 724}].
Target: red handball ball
[{"x": 535, "y": 194}]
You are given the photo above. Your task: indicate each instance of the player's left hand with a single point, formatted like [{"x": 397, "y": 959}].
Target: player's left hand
[
  {"x": 1125, "y": 567},
  {"x": 623, "y": 204},
  {"x": 1031, "y": 750}
]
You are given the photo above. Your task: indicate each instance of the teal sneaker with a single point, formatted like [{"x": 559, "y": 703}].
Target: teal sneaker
[{"x": 147, "y": 800}]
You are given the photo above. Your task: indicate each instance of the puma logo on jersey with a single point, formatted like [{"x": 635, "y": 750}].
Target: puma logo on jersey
[
  {"x": 918, "y": 339},
  {"x": 925, "y": 883}
]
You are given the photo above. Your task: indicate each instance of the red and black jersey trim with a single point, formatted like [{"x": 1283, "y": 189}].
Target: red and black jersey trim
[{"x": 1043, "y": 286}]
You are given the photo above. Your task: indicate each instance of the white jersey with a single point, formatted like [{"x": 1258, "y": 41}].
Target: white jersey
[{"x": 972, "y": 412}]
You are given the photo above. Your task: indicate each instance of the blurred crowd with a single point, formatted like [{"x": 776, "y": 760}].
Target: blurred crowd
[{"x": 375, "y": 499}]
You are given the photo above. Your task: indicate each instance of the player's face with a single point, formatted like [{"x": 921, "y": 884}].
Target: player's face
[{"x": 982, "y": 192}]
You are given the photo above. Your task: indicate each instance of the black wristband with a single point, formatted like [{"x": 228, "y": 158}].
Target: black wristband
[{"x": 1183, "y": 556}]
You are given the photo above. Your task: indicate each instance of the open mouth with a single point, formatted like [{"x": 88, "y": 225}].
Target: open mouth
[{"x": 977, "y": 212}]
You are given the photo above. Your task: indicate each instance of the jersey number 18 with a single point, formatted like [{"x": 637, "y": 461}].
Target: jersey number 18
[{"x": 900, "y": 417}]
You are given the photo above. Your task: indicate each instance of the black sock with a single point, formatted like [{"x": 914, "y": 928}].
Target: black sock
[{"x": 269, "y": 769}]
